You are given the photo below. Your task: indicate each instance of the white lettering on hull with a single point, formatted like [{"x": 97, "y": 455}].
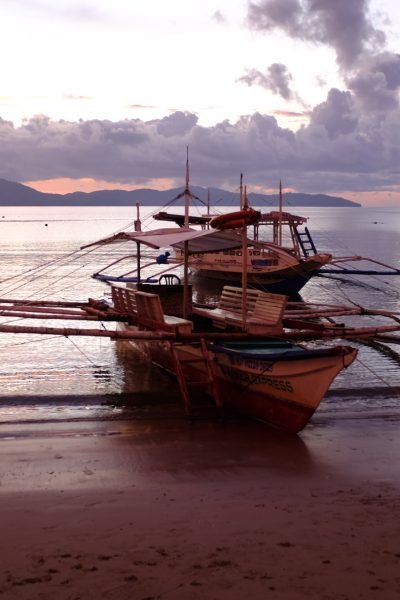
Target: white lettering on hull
[{"x": 248, "y": 379}]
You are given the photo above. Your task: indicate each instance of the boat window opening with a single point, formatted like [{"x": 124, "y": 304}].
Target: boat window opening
[{"x": 264, "y": 262}]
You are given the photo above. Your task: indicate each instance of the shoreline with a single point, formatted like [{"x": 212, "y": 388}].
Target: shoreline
[{"x": 156, "y": 508}]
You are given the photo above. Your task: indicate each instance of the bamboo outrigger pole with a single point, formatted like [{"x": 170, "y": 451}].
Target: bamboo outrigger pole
[
  {"x": 132, "y": 334},
  {"x": 74, "y": 331}
]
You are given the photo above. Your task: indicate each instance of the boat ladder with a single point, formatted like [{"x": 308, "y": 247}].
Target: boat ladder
[
  {"x": 306, "y": 242},
  {"x": 195, "y": 373}
]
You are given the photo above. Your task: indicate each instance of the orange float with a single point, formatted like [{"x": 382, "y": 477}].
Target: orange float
[{"x": 234, "y": 220}]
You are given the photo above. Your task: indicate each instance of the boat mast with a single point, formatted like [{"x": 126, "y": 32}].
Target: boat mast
[
  {"x": 186, "y": 244},
  {"x": 187, "y": 191},
  {"x": 138, "y": 227},
  {"x": 280, "y": 214},
  {"x": 244, "y": 206},
  {"x": 137, "y": 223}
]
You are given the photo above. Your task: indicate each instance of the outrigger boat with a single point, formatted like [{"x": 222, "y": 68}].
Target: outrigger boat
[
  {"x": 283, "y": 263},
  {"x": 240, "y": 351},
  {"x": 272, "y": 265},
  {"x": 234, "y": 352},
  {"x": 244, "y": 352}
]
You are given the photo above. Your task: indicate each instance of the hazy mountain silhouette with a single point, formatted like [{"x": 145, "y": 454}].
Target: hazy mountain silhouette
[{"x": 17, "y": 194}]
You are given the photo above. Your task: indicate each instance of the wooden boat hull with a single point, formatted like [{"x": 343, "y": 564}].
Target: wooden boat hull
[
  {"x": 288, "y": 280},
  {"x": 280, "y": 389},
  {"x": 283, "y": 392}
]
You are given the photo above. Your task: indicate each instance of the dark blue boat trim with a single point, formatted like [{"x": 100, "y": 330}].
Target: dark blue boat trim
[
  {"x": 123, "y": 279},
  {"x": 295, "y": 353}
]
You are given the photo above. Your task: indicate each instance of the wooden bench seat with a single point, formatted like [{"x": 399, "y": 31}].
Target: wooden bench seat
[
  {"x": 229, "y": 305},
  {"x": 146, "y": 309},
  {"x": 124, "y": 300},
  {"x": 264, "y": 311},
  {"x": 231, "y": 299},
  {"x": 150, "y": 313}
]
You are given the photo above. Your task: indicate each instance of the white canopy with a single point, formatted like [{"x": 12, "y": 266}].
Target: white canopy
[{"x": 210, "y": 240}]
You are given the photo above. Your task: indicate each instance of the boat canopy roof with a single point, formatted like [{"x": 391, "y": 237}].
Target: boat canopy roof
[
  {"x": 198, "y": 241},
  {"x": 180, "y": 219}
]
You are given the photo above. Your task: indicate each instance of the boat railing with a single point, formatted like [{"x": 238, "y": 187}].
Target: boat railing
[{"x": 152, "y": 275}]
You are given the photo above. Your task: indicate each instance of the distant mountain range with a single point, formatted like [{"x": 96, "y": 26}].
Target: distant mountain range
[{"x": 17, "y": 194}]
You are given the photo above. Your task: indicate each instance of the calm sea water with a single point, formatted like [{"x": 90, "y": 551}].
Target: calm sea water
[{"x": 47, "y": 377}]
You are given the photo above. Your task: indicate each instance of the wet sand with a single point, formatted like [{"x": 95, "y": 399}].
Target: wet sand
[{"x": 157, "y": 509}]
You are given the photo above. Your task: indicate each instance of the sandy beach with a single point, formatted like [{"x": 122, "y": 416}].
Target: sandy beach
[{"x": 155, "y": 508}]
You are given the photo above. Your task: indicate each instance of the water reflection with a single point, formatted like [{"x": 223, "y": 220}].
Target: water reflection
[{"x": 213, "y": 447}]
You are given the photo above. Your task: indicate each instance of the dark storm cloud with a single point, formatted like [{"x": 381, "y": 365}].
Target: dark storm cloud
[
  {"x": 342, "y": 148},
  {"x": 341, "y": 24},
  {"x": 277, "y": 79},
  {"x": 337, "y": 115},
  {"x": 376, "y": 85},
  {"x": 352, "y": 140},
  {"x": 179, "y": 123}
]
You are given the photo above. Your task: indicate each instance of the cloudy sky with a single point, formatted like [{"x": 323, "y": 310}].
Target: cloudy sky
[{"x": 97, "y": 94}]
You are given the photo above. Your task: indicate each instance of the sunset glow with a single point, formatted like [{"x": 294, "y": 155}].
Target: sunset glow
[{"x": 308, "y": 94}]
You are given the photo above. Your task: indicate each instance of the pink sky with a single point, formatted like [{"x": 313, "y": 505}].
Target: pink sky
[{"x": 65, "y": 185}]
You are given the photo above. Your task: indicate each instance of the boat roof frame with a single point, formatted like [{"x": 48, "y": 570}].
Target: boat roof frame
[{"x": 196, "y": 241}]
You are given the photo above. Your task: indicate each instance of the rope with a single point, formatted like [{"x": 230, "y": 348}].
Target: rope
[
  {"x": 116, "y": 381},
  {"x": 35, "y": 341},
  {"x": 81, "y": 351},
  {"x": 387, "y": 384}
]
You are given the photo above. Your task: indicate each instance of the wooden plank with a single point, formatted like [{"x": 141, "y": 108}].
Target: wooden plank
[
  {"x": 265, "y": 310},
  {"x": 124, "y": 300},
  {"x": 270, "y": 310},
  {"x": 149, "y": 306},
  {"x": 232, "y": 299},
  {"x": 150, "y": 314}
]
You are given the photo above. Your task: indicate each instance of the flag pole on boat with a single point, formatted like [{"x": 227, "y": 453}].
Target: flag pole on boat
[
  {"x": 186, "y": 244},
  {"x": 137, "y": 222},
  {"x": 138, "y": 227},
  {"x": 244, "y": 206},
  {"x": 280, "y": 214}
]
